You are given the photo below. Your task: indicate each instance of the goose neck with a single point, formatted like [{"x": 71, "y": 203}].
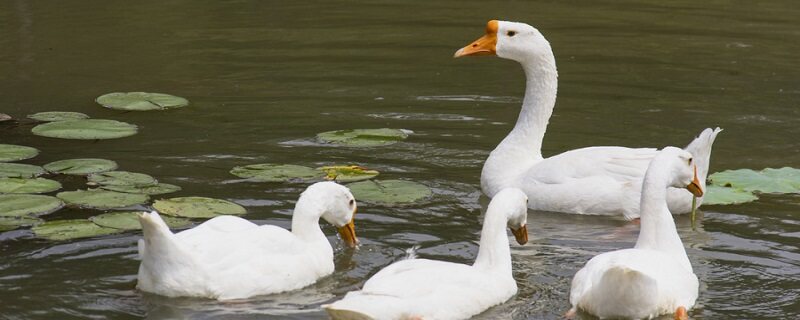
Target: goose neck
[
  {"x": 494, "y": 252},
  {"x": 658, "y": 231}
]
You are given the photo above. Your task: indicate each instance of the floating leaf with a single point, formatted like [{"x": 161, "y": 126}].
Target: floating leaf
[
  {"x": 122, "y": 178},
  {"x": 10, "y": 152},
  {"x": 197, "y": 207},
  {"x": 28, "y": 204},
  {"x": 71, "y": 229},
  {"x": 11, "y": 223},
  {"x": 19, "y": 170},
  {"x": 389, "y": 191},
  {"x": 348, "y": 173},
  {"x": 57, "y": 116},
  {"x": 80, "y": 166},
  {"x": 141, "y": 101},
  {"x": 268, "y": 172},
  {"x": 101, "y": 199},
  {"x": 724, "y": 195},
  {"x": 21, "y": 185},
  {"x": 363, "y": 137},
  {"x": 86, "y": 129},
  {"x": 769, "y": 180},
  {"x": 161, "y": 188},
  {"x": 130, "y": 221},
  {"x": 5, "y": 117}
]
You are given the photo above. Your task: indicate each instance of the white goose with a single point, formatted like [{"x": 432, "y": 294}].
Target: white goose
[
  {"x": 229, "y": 257},
  {"x": 655, "y": 277},
  {"x": 431, "y": 289},
  {"x": 594, "y": 180}
]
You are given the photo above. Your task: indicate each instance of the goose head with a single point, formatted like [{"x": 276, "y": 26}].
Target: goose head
[
  {"x": 683, "y": 169},
  {"x": 337, "y": 206},
  {"x": 510, "y": 40},
  {"x": 514, "y": 203}
]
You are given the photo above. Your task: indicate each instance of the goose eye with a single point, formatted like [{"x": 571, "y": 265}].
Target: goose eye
[
  {"x": 690, "y": 161},
  {"x": 352, "y": 202},
  {"x": 511, "y": 33}
]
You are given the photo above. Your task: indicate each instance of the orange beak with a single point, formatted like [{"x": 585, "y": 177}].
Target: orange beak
[
  {"x": 348, "y": 232},
  {"x": 485, "y": 46},
  {"x": 521, "y": 234},
  {"x": 695, "y": 187}
]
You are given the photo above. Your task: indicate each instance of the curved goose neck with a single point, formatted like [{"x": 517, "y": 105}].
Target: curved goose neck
[
  {"x": 494, "y": 252},
  {"x": 658, "y": 230},
  {"x": 305, "y": 222}
]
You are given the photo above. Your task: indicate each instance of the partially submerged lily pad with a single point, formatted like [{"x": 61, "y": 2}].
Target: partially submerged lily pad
[
  {"x": 122, "y": 178},
  {"x": 85, "y": 129},
  {"x": 269, "y": 172},
  {"x": 11, "y": 152},
  {"x": 19, "y": 170},
  {"x": 101, "y": 199},
  {"x": 80, "y": 166},
  {"x": 71, "y": 229},
  {"x": 716, "y": 195},
  {"x": 348, "y": 173},
  {"x": 130, "y": 221},
  {"x": 161, "y": 188},
  {"x": 51, "y": 116},
  {"x": 389, "y": 191},
  {"x": 22, "y": 185},
  {"x": 11, "y": 223},
  {"x": 141, "y": 101},
  {"x": 28, "y": 204},
  {"x": 197, "y": 207},
  {"x": 769, "y": 180},
  {"x": 363, "y": 137}
]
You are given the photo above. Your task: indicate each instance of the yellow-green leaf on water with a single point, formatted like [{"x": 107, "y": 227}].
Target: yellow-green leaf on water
[
  {"x": 716, "y": 195},
  {"x": 141, "y": 101},
  {"x": 197, "y": 207},
  {"x": 363, "y": 137},
  {"x": 28, "y": 204},
  {"x": 350, "y": 173},
  {"x": 80, "y": 166},
  {"x": 85, "y": 129},
  {"x": 11, "y": 152},
  {"x": 11, "y": 223},
  {"x": 20, "y": 170},
  {"x": 101, "y": 199},
  {"x": 122, "y": 178},
  {"x": 270, "y": 172},
  {"x": 160, "y": 188},
  {"x": 22, "y": 185},
  {"x": 51, "y": 116},
  {"x": 389, "y": 192},
  {"x": 769, "y": 180},
  {"x": 70, "y": 229},
  {"x": 130, "y": 221}
]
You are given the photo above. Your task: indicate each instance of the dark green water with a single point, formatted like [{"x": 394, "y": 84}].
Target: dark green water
[{"x": 265, "y": 77}]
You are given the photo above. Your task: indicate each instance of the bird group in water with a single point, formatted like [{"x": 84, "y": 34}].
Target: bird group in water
[{"x": 229, "y": 257}]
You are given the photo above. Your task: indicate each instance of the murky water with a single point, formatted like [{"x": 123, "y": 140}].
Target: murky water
[{"x": 264, "y": 78}]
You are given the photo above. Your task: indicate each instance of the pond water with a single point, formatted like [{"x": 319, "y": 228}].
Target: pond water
[{"x": 264, "y": 77}]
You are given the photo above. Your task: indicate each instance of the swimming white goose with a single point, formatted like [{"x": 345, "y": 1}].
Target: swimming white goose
[
  {"x": 229, "y": 257},
  {"x": 594, "y": 180},
  {"x": 431, "y": 289},
  {"x": 655, "y": 277}
]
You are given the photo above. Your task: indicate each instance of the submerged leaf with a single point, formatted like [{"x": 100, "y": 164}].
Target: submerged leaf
[
  {"x": 71, "y": 229},
  {"x": 21, "y": 185},
  {"x": 122, "y": 178},
  {"x": 348, "y": 173},
  {"x": 363, "y": 137},
  {"x": 101, "y": 199},
  {"x": 57, "y": 116},
  {"x": 141, "y": 101},
  {"x": 197, "y": 207},
  {"x": 10, "y": 152},
  {"x": 86, "y": 129},
  {"x": 11, "y": 223},
  {"x": 716, "y": 195},
  {"x": 80, "y": 166},
  {"x": 28, "y": 204},
  {"x": 769, "y": 180},
  {"x": 269, "y": 172},
  {"x": 389, "y": 191},
  {"x": 19, "y": 170},
  {"x": 161, "y": 188},
  {"x": 130, "y": 221}
]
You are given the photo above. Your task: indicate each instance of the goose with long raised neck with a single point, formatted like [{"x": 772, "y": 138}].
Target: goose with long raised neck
[
  {"x": 593, "y": 180},
  {"x": 432, "y": 289},
  {"x": 229, "y": 257},
  {"x": 655, "y": 277}
]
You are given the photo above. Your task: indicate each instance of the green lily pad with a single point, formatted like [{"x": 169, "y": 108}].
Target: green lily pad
[
  {"x": 101, "y": 199},
  {"x": 15, "y": 205},
  {"x": 80, "y": 166},
  {"x": 19, "y": 170},
  {"x": 363, "y": 137},
  {"x": 122, "y": 178},
  {"x": 269, "y": 172},
  {"x": 71, "y": 229},
  {"x": 141, "y": 101},
  {"x": 21, "y": 185},
  {"x": 348, "y": 173},
  {"x": 197, "y": 207},
  {"x": 161, "y": 188},
  {"x": 51, "y": 116},
  {"x": 11, "y": 223},
  {"x": 10, "y": 152},
  {"x": 85, "y": 129},
  {"x": 389, "y": 191},
  {"x": 130, "y": 221},
  {"x": 769, "y": 180},
  {"x": 716, "y": 195}
]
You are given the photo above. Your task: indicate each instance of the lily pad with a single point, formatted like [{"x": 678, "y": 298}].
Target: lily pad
[
  {"x": 11, "y": 223},
  {"x": 363, "y": 137},
  {"x": 80, "y": 166},
  {"x": 71, "y": 229},
  {"x": 130, "y": 221},
  {"x": 11, "y": 152},
  {"x": 122, "y": 178},
  {"x": 141, "y": 101},
  {"x": 19, "y": 170},
  {"x": 348, "y": 173},
  {"x": 21, "y": 185},
  {"x": 716, "y": 195},
  {"x": 389, "y": 191},
  {"x": 85, "y": 129},
  {"x": 101, "y": 199},
  {"x": 28, "y": 204},
  {"x": 51, "y": 116},
  {"x": 269, "y": 172},
  {"x": 769, "y": 180},
  {"x": 161, "y": 188},
  {"x": 197, "y": 207}
]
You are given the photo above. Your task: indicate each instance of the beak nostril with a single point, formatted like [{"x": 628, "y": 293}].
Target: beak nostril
[{"x": 474, "y": 45}]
